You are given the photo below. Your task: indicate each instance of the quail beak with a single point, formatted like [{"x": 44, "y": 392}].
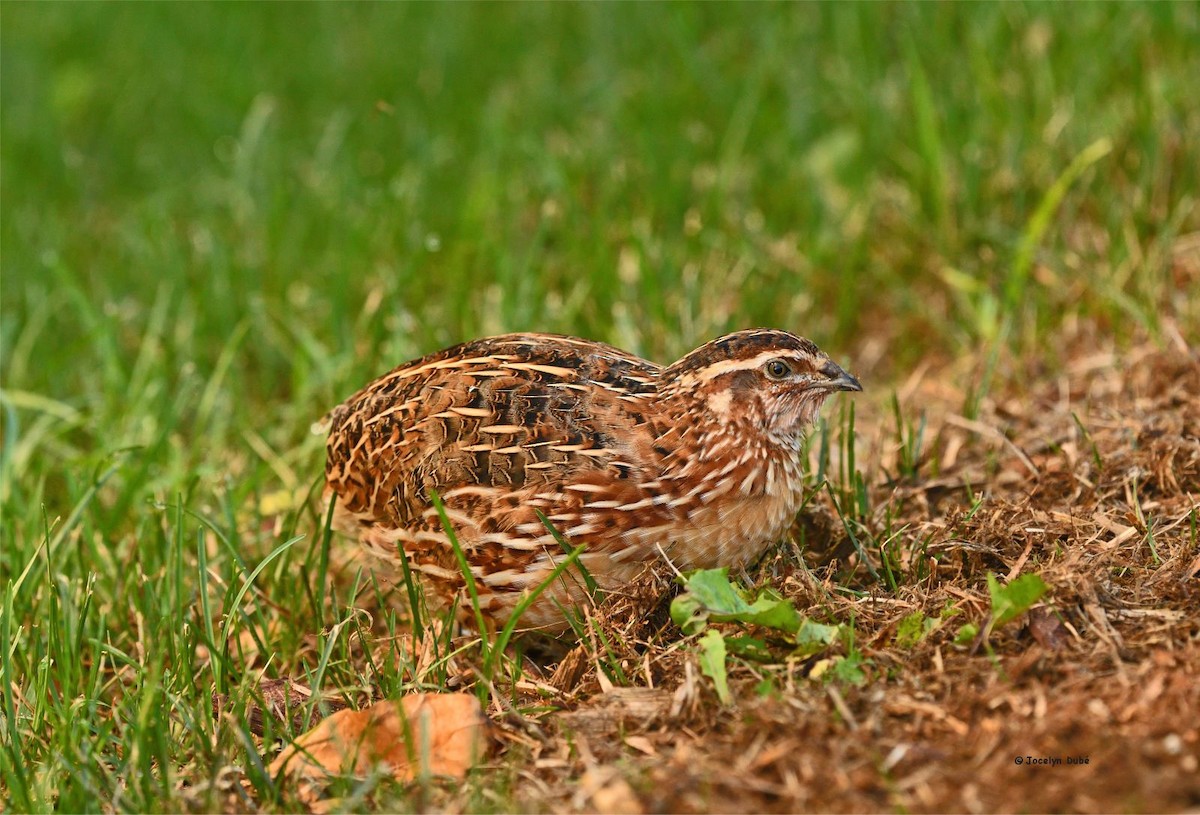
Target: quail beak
[{"x": 839, "y": 380}]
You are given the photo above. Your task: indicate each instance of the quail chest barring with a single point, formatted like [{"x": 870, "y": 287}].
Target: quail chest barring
[{"x": 697, "y": 462}]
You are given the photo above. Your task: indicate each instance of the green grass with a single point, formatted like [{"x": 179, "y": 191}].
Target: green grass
[{"x": 219, "y": 220}]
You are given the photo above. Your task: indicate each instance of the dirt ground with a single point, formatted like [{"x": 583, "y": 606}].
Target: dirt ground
[{"x": 1088, "y": 703}]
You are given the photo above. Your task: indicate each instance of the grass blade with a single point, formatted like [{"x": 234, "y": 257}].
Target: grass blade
[
  {"x": 232, "y": 606},
  {"x": 1035, "y": 228},
  {"x": 465, "y": 567}
]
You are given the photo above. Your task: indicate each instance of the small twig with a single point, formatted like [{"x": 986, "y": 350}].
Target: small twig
[{"x": 842, "y": 708}]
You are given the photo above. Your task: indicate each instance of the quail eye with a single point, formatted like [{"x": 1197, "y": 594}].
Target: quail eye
[{"x": 778, "y": 369}]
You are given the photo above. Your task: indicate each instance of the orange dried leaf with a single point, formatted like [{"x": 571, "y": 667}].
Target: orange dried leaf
[{"x": 422, "y": 734}]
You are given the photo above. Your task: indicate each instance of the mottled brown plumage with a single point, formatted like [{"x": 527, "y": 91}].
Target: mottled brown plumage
[{"x": 697, "y": 462}]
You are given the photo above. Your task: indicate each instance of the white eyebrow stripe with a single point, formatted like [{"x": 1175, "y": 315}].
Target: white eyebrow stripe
[{"x": 730, "y": 365}]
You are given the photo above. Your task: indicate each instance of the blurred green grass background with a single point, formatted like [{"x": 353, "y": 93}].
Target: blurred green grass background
[
  {"x": 250, "y": 209},
  {"x": 217, "y": 220}
]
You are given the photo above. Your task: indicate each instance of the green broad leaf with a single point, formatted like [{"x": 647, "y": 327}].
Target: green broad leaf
[
  {"x": 689, "y": 613},
  {"x": 910, "y": 630},
  {"x": 709, "y": 594},
  {"x": 712, "y": 663},
  {"x": 812, "y": 638},
  {"x": 712, "y": 589},
  {"x": 848, "y": 669},
  {"x": 1013, "y": 600},
  {"x": 749, "y": 648},
  {"x": 772, "y": 611},
  {"x": 914, "y": 628},
  {"x": 967, "y": 634},
  {"x": 767, "y": 689}
]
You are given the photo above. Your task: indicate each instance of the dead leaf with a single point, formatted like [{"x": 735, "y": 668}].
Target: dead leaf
[
  {"x": 642, "y": 744},
  {"x": 422, "y": 734},
  {"x": 607, "y": 791},
  {"x": 1047, "y": 629}
]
